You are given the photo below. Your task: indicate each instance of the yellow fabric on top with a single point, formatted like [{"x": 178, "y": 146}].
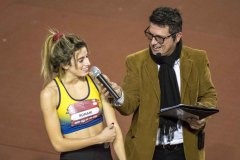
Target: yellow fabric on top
[{"x": 65, "y": 100}]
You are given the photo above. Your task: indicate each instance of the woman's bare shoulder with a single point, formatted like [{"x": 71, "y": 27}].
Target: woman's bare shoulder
[{"x": 49, "y": 92}]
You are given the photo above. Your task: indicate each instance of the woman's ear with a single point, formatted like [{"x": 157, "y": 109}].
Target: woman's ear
[{"x": 65, "y": 66}]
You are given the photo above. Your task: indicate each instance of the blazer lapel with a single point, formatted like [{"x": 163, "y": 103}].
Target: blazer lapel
[
  {"x": 185, "y": 69},
  {"x": 151, "y": 69}
]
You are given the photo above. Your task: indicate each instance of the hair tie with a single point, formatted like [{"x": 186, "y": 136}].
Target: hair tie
[{"x": 57, "y": 36}]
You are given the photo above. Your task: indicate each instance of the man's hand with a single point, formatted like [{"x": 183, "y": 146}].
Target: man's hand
[
  {"x": 195, "y": 123},
  {"x": 114, "y": 86}
]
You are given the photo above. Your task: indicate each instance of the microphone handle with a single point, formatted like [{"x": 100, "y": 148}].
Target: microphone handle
[{"x": 109, "y": 88}]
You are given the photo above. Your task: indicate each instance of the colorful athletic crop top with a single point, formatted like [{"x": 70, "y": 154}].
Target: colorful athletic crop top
[{"x": 75, "y": 115}]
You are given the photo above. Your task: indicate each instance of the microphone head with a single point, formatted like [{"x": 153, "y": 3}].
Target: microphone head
[{"x": 95, "y": 71}]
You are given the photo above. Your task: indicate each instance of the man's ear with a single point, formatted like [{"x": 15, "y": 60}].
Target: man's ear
[{"x": 178, "y": 36}]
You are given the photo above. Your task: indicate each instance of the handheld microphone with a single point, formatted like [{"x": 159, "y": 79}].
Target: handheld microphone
[{"x": 97, "y": 74}]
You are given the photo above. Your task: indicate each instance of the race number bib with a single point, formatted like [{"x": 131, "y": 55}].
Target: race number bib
[{"x": 84, "y": 111}]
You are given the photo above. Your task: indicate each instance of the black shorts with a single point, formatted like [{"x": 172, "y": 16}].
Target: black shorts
[{"x": 95, "y": 152}]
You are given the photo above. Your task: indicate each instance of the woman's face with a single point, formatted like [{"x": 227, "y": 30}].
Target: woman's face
[{"x": 79, "y": 63}]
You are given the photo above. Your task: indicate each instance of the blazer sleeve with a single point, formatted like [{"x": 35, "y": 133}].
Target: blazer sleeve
[
  {"x": 130, "y": 87},
  {"x": 207, "y": 95}
]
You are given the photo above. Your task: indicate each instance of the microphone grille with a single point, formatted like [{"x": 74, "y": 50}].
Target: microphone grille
[{"x": 95, "y": 71}]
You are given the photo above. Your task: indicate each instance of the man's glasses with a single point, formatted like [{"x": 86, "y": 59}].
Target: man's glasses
[{"x": 158, "y": 38}]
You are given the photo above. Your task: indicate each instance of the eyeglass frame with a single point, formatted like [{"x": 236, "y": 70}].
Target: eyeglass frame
[{"x": 157, "y": 36}]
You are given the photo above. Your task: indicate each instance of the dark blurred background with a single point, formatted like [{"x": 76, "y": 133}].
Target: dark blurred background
[{"x": 113, "y": 29}]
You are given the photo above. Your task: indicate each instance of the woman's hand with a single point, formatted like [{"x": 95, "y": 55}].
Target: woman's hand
[{"x": 108, "y": 134}]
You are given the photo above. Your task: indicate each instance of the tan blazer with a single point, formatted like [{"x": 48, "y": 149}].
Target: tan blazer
[{"x": 142, "y": 99}]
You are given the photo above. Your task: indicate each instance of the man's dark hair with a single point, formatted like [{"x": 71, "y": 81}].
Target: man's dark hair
[{"x": 166, "y": 16}]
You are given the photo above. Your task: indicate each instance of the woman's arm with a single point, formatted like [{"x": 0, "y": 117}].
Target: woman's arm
[
  {"x": 49, "y": 101},
  {"x": 110, "y": 117}
]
